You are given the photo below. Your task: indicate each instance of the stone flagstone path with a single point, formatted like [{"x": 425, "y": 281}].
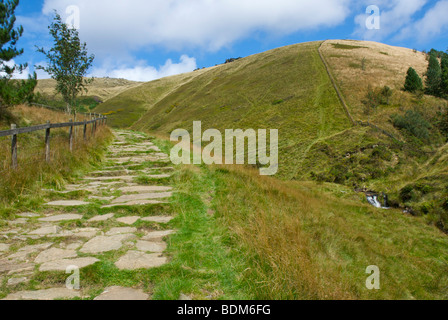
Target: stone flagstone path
[{"x": 60, "y": 236}]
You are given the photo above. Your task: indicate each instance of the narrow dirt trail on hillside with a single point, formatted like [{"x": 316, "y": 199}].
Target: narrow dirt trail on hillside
[{"x": 111, "y": 225}]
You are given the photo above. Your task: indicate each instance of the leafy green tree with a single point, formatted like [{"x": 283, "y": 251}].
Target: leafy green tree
[
  {"x": 11, "y": 91},
  {"x": 413, "y": 81},
  {"x": 68, "y": 62},
  {"x": 433, "y": 76},
  {"x": 444, "y": 82}
]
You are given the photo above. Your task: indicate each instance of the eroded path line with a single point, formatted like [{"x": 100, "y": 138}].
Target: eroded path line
[{"x": 118, "y": 217}]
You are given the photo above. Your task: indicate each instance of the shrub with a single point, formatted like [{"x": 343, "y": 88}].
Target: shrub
[
  {"x": 407, "y": 193},
  {"x": 414, "y": 123},
  {"x": 413, "y": 81}
]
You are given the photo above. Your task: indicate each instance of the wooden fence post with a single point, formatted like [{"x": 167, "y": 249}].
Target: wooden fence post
[
  {"x": 85, "y": 130},
  {"x": 93, "y": 128},
  {"x": 47, "y": 143},
  {"x": 14, "y": 147},
  {"x": 71, "y": 135}
]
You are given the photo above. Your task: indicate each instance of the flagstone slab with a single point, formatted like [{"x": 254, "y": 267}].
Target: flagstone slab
[
  {"x": 54, "y": 254},
  {"x": 134, "y": 203},
  {"x": 123, "y": 178},
  {"x": 157, "y": 235},
  {"x": 123, "y": 294},
  {"x": 144, "y": 189},
  {"x": 158, "y": 219},
  {"x": 18, "y": 221},
  {"x": 62, "y": 265},
  {"x": 4, "y": 247},
  {"x": 28, "y": 215},
  {"x": 119, "y": 231},
  {"x": 16, "y": 281},
  {"x": 134, "y": 260},
  {"x": 45, "y": 231},
  {"x": 61, "y": 217},
  {"x": 102, "y": 244},
  {"x": 142, "y": 196},
  {"x": 48, "y": 294},
  {"x": 148, "y": 246},
  {"x": 102, "y": 218},
  {"x": 128, "y": 220},
  {"x": 12, "y": 267},
  {"x": 67, "y": 203}
]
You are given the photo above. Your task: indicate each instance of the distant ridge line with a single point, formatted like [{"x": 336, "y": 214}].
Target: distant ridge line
[{"x": 340, "y": 96}]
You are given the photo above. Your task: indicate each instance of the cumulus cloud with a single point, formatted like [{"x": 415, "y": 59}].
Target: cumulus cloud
[
  {"x": 433, "y": 23},
  {"x": 121, "y": 26},
  {"x": 143, "y": 72},
  {"x": 395, "y": 15}
]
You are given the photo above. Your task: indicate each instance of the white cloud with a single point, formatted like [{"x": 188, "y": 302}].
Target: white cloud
[
  {"x": 431, "y": 25},
  {"x": 394, "y": 15},
  {"x": 124, "y": 25},
  {"x": 143, "y": 72}
]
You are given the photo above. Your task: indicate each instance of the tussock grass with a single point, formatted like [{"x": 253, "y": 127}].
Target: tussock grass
[
  {"x": 21, "y": 188},
  {"x": 305, "y": 243}
]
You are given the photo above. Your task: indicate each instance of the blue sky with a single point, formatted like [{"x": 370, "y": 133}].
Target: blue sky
[{"x": 147, "y": 39}]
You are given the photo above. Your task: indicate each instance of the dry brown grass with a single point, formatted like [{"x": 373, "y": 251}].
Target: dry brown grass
[
  {"x": 384, "y": 66},
  {"x": 33, "y": 172},
  {"x": 104, "y": 88},
  {"x": 305, "y": 243}
]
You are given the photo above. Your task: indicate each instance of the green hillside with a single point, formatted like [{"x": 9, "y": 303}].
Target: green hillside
[
  {"x": 289, "y": 89},
  {"x": 311, "y": 233}
]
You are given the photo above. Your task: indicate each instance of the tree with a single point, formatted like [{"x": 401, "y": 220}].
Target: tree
[
  {"x": 68, "y": 62},
  {"x": 433, "y": 76},
  {"x": 413, "y": 81},
  {"x": 11, "y": 91},
  {"x": 444, "y": 82}
]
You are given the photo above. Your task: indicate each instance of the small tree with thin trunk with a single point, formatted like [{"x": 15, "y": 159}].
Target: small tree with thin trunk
[{"x": 68, "y": 62}]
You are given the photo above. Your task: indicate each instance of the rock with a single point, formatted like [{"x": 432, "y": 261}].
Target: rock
[
  {"x": 105, "y": 244},
  {"x": 158, "y": 219},
  {"x": 142, "y": 196},
  {"x": 145, "y": 189},
  {"x": 61, "y": 217},
  {"x": 134, "y": 203},
  {"x": 147, "y": 246},
  {"x": 124, "y": 294},
  {"x": 134, "y": 260},
  {"x": 102, "y": 218},
  {"x": 117, "y": 231},
  {"x": 15, "y": 281},
  {"x": 49, "y": 294},
  {"x": 61, "y": 265},
  {"x": 67, "y": 203},
  {"x": 184, "y": 297},
  {"x": 28, "y": 215},
  {"x": 157, "y": 235},
  {"x": 18, "y": 221},
  {"x": 23, "y": 253},
  {"x": 45, "y": 231},
  {"x": 54, "y": 254},
  {"x": 128, "y": 220},
  {"x": 4, "y": 247}
]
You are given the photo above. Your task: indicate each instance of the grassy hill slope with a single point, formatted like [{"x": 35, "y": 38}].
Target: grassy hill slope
[
  {"x": 103, "y": 88},
  {"x": 286, "y": 89},
  {"x": 289, "y": 89}
]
